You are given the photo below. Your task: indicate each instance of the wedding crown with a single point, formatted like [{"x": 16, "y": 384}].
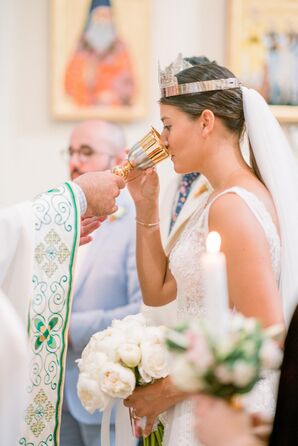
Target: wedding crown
[{"x": 169, "y": 86}]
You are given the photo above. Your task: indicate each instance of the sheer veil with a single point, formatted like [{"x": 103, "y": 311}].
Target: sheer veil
[{"x": 279, "y": 171}]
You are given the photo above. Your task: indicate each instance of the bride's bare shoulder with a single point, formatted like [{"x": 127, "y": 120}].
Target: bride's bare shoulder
[{"x": 234, "y": 219}]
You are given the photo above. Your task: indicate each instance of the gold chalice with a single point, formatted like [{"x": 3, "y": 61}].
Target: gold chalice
[{"x": 145, "y": 153}]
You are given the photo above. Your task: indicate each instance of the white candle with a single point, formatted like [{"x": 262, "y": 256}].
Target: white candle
[{"x": 214, "y": 274}]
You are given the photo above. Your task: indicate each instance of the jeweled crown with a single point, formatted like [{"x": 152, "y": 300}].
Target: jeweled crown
[
  {"x": 169, "y": 86},
  {"x": 167, "y": 77}
]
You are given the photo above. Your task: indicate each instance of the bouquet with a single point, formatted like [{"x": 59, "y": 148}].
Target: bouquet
[
  {"x": 116, "y": 360},
  {"x": 223, "y": 366}
]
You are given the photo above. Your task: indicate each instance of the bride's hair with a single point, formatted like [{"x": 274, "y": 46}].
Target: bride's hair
[{"x": 225, "y": 104}]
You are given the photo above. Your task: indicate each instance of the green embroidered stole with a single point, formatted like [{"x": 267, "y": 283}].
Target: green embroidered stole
[{"x": 56, "y": 221}]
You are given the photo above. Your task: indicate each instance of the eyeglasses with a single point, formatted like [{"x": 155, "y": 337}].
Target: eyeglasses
[{"x": 84, "y": 153}]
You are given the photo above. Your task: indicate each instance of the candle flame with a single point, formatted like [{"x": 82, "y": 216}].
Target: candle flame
[{"x": 213, "y": 242}]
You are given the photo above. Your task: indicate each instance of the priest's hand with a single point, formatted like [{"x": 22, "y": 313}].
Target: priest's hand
[
  {"x": 88, "y": 225},
  {"x": 151, "y": 400},
  {"x": 101, "y": 190}
]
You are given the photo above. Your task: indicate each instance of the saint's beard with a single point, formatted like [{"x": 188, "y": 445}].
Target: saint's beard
[{"x": 100, "y": 36}]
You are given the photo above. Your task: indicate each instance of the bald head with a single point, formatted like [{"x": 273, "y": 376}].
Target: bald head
[{"x": 95, "y": 145}]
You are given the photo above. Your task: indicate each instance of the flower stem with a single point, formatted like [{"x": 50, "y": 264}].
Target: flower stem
[{"x": 155, "y": 438}]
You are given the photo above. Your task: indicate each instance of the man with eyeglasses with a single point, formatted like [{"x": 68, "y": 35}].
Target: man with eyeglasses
[{"x": 106, "y": 283}]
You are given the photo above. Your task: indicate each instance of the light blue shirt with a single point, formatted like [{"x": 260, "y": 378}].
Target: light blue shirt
[{"x": 106, "y": 288}]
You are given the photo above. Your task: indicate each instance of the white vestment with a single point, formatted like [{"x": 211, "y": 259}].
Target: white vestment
[
  {"x": 16, "y": 255},
  {"x": 14, "y": 356},
  {"x": 38, "y": 241}
]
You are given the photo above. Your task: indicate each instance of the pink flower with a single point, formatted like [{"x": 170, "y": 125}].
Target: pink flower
[{"x": 198, "y": 352}]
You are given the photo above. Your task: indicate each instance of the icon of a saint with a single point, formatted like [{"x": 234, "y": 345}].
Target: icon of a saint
[{"x": 100, "y": 70}]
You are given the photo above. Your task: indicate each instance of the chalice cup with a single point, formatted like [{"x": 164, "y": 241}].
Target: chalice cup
[{"x": 144, "y": 154}]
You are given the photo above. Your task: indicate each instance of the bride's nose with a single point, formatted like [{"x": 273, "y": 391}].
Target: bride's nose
[{"x": 164, "y": 139}]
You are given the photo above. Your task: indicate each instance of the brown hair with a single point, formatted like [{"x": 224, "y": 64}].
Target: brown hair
[{"x": 225, "y": 104}]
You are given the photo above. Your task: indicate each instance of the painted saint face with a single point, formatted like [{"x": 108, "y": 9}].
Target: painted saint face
[{"x": 100, "y": 32}]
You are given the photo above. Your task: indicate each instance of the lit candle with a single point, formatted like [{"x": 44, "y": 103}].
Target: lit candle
[{"x": 214, "y": 274}]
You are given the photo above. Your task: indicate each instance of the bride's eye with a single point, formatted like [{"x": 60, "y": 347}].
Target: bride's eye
[{"x": 167, "y": 127}]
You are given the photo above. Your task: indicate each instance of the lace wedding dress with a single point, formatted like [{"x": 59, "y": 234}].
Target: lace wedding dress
[{"x": 185, "y": 266}]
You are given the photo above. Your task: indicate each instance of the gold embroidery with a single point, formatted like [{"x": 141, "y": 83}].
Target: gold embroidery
[
  {"x": 51, "y": 252},
  {"x": 39, "y": 250},
  {"x": 52, "y": 237},
  {"x": 39, "y": 413},
  {"x": 63, "y": 253}
]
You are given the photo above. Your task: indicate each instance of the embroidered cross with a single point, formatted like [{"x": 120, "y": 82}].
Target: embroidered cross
[
  {"x": 39, "y": 413},
  {"x": 51, "y": 252}
]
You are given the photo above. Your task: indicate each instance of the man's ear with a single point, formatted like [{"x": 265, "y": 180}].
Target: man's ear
[{"x": 206, "y": 122}]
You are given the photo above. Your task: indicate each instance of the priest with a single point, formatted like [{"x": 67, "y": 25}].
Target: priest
[{"x": 39, "y": 242}]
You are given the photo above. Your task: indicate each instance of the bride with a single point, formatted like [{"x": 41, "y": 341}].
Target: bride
[{"x": 205, "y": 112}]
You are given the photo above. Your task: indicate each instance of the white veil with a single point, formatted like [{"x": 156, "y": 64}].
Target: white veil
[{"x": 279, "y": 171}]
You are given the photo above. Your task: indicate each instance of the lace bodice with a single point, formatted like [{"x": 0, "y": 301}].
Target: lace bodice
[
  {"x": 185, "y": 256},
  {"x": 185, "y": 266}
]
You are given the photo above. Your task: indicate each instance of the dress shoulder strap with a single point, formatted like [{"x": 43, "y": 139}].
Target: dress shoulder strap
[{"x": 256, "y": 206}]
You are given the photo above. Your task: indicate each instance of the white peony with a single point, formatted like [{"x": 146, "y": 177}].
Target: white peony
[
  {"x": 117, "y": 381},
  {"x": 154, "y": 335},
  {"x": 155, "y": 359},
  {"x": 109, "y": 344},
  {"x": 99, "y": 341},
  {"x": 90, "y": 394},
  {"x": 270, "y": 355},
  {"x": 134, "y": 334},
  {"x": 129, "y": 321},
  {"x": 92, "y": 364},
  {"x": 130, "y": 354},
  {"x": 243, "y": 373},
  {"x": 145, "y": 378},
  {"x": 184, "y": 375},
  {"x": 132, "y": 328}
]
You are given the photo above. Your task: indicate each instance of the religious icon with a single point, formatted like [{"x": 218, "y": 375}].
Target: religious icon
[
  {"x": 100, "y": 70},
  {"x": 100, "y": 59},
  {"x": 263, "y": 51}
]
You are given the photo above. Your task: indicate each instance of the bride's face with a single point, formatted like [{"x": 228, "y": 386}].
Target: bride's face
[{"x": 182, "y": 135}]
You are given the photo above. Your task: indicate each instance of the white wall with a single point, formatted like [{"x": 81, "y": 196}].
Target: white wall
[{"x": 30, "y": 140}]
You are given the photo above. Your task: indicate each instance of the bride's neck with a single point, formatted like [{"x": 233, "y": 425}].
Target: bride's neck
[{"x": 225, "y": 166}]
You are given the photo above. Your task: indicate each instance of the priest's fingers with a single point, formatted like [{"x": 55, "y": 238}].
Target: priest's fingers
[
  {"x": 85, "y": 240},
  {"x": 86, "y": 220},
  {"x": 90, "y": 227},
  {"x": 120, "y": 182},
  {"x": 100, "y": 189}
]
